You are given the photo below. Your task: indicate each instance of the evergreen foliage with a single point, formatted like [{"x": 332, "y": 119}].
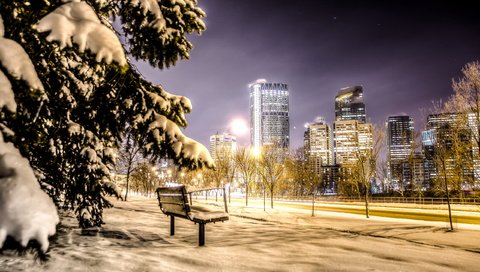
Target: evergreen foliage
[{"x": 70, "y": 130}]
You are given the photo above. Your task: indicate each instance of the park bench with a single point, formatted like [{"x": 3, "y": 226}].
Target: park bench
[{"x": 173, "y": 202}]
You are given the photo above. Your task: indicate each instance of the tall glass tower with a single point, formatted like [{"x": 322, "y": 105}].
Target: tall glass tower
[
  {"x": 269, "y": 120},
  {"x": 349, "y": 105}
]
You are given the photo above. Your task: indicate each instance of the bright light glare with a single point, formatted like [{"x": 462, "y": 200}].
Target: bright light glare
[
  {"x": 256, "y": 152},
  {"x": 239, "y": 127}
]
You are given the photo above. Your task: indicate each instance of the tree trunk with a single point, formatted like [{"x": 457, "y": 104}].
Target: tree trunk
[
  {"x": 271, "y": 198},
  {"x": 229, "y": 198},
  {"x": 246, "y": 193},
  {"x": 126, "y": 190},
  {"x": 366, "y": 203},
  {"x": 313, "y": 204},
  {"x": 264, "y": 197},
  {"x": 448, "y": 197}
]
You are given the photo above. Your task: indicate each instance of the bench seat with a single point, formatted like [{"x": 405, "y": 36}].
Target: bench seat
[
  {"x": 173, "y": 202},
  {"x": 208, "y": 217}
]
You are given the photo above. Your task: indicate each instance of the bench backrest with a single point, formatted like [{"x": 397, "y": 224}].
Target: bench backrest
[{"x": 173, "y": 201}]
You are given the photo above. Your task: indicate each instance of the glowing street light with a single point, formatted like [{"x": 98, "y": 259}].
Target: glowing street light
[{"x": 239, "y": 127}]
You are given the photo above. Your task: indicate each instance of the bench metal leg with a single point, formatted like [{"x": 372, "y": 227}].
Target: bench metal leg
[
  {"x": 172, "y": 225},
  {"x": 201, "y": 234}
]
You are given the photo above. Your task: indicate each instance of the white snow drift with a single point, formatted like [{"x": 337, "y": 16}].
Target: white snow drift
[{"x": 26, "y": 212}]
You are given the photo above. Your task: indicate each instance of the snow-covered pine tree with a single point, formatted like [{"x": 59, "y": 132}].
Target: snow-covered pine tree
[{"x": 69, "y": 120}]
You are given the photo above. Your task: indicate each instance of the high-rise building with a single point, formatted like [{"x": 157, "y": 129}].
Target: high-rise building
[
  {"x": 222, "y": 145},
  {"x": 269, "y": 119},
  {"x": 351, "y": 137},
  {"x": 349, "y": 105},
  {"x": 345, "y": 141},
  {"x": 446, "y": 133},
  {"x": 413, "y": 173},
  {"x": 400, "y": 141},
  {"x": 318, "y": 145}
]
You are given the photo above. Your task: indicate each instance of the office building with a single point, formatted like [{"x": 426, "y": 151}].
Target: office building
[
  {"x": 318, "y": 145},
  {"x": 269, "y": 118},
  {"x": 222, "y": 145},
  {"x": 400, "y": 145},
  {"x": 350, "y": 138}
]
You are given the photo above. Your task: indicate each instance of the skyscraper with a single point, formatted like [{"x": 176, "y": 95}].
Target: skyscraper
[
  {"x": 349, "y": 104},
  {"x": 269, "y": 119},
  {"x": 400, "y": 140},
  {"x": 318, "y": 145},
  {"x": 222, "y": 145}
]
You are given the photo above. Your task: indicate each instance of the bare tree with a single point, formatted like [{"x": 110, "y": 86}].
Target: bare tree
[
  {"x": 128, "y": 158},
  {"x": 466, "y": 101},
  {"x": 271, "y": 168},
  {"x": 444, "y": 164},
  {"x": 144, "y": 178},
  {"x": 246, "y": 165},
  {"x": 412, "y": 186},
  {"x": 452, "y": 153},
  {"x": 302, "y": 178},
  {"x": 466, "y": 98},
  {"x": 363, "y": 171},
  {"x": 224, "y": 170},
  {"x": 228, "y": 166}
]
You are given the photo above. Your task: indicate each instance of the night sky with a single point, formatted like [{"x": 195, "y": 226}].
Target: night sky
[{"x": 404, "y": 55}]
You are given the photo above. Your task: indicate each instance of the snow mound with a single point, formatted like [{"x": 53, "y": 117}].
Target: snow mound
[
  {"x": 78, "y": 22},
  {"x": 26, "y": 212}
]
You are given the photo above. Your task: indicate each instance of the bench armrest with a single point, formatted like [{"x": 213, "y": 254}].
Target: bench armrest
[{"x": 211, "y": 189}]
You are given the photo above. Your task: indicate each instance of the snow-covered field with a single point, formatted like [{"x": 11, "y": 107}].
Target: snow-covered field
[{"x": 136, "y": 238}]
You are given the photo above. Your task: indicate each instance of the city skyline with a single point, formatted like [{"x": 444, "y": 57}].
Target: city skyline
[{"x": 404, "y": 55}]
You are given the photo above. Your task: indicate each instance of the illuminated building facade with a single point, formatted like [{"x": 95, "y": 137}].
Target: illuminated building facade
[
  {"x": 351, "y": 137},
  {"x": 222, "y": 145},
  {"x": 318, "y": 145},
  {"x": 269, "y": 118}
]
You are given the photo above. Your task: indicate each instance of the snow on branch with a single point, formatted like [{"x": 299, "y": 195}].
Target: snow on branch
[
  {"x": 26, "y": 212},
  {"x": 172, "y": 106},
  {"x": 2, "y": 28},
  {"x": 185, "y": 149},
  {"x": 93, "y": 148},
  {"x": 78, "y": 22},
  {"x": 151, "y": 6},
  {"x": 180, "y": 101},
  {"x": 18, "y": 64},
  {"x": 7, "y": 98}
]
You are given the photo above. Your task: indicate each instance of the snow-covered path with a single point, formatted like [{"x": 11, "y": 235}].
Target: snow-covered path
[{"x": 136, "y": 238}]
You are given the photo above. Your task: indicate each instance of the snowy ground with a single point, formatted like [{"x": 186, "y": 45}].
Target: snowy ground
[{"x": 136, "y": 238}]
